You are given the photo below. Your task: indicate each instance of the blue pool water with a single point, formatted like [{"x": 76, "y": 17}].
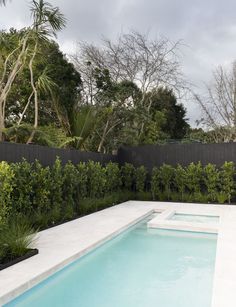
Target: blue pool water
[{"x": 141, "y": 267}]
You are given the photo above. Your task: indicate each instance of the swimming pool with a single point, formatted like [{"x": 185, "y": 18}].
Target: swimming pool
[{"x": 141, "y": 267}]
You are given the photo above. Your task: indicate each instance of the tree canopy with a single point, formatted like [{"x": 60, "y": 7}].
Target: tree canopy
[{"x": 99, "y": 99}]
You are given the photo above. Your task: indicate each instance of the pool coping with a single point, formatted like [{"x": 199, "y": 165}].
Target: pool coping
[{"x": 63, "y": 244}]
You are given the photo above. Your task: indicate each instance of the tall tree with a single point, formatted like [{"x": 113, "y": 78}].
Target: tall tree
[
  {"x": 164, "y": 100},
  {"x": 53, "y": 105},
  {"x": 46, "y": 21},
  {"x": 219, "y": 105}
]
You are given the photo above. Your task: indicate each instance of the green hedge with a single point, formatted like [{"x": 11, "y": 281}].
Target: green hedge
[
  {"x": 51, "y": 195},
  {"x": 194, "y": 183}
]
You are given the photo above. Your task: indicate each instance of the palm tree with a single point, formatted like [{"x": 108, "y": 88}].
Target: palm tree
[
  {"x": 82, "y": 123},
  {"x": 47, "y": 20}
]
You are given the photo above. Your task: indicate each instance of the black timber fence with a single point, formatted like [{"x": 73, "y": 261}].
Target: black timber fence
[
  {"x": 12, "y": 152},
  {"x": 173, "y": 154},
  {"x": 147, "y": 155}
]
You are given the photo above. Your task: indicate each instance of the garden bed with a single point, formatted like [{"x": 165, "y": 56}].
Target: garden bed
[{"x": 8, "y": 263}]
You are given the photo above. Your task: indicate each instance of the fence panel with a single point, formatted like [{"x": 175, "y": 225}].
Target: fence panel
[{"x": 12, "y": 152}]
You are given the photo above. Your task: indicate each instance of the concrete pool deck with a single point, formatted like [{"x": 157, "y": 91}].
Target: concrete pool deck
[{"x": 65, "y": 243}]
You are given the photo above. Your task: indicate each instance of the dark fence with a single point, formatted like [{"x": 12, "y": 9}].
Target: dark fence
[
  {"x": 12, "y": 152},
  {"x": 148, "y": 155},
  {"x": 184, "y": 154}
]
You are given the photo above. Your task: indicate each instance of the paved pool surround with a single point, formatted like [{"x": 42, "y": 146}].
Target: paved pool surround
[{"x": 65, "y": 243}]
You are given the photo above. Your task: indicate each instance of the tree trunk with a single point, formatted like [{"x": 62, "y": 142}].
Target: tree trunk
[
  {"x": 36, "y": 104},
  {"x": 5, "y": 87},
  {"x": 103, "y": 137}
]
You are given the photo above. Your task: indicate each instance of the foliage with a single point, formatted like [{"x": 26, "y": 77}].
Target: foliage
[
  {"x": 56, "y": 189},
  {"x": 82, "y": 123},
  {"x": 6, "y": 187},
  {"x": 15, "y": 239},
  {"x": 41, "y": 182},
  {"x": 70, "y": 180},
  {"x": 155, "y": 183},
  {"x": 23, "y": 188},
  {"x": 50, "y": 135},
  {"x": 140, "y": 178},
  {"x": 221, "y": 197},
  {"x": 165, "y": 101},
  {"x": 180, "y": 179},
  {"x": 227, "y": 185},
  {"x": 127, "y": 173},
  {"x": 166, "y": 173},
  {"x": 194, "y": 177},
  {"x": 48, "y": 196},
  {"x": 82, "y": 179},
  {"x": 113, "y": 180},
  {"x": 211, "y": 179},
  {"x": 96, "y": 179}
]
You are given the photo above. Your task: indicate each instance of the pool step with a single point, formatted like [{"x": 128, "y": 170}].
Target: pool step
[{"x": 163, "y": 221}]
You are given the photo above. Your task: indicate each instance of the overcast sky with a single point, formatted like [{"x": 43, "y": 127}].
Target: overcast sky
[{"x": 207, "y": 27}]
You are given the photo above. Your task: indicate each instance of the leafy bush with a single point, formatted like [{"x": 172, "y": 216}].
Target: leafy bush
[
  {"x": 15, "y": 239},
  {"x": 194, "y": 177},
  {"x": 56, "y": 190},
  {"x": 96, "y": 179},
  {"x": 211, "y": 180},
  {"x": 6, "y": 188},
  {"x": 41, "y": 182},
  {"x": 140, "y": 178},
  {"x": 180, "y": 180},
  {"x": 155, "y": 183},
  {"x": 70, "y": 181},
  {"x": 127, "y": 171},
  {"x": 113, "y": 181},
  {"x": 82, "y": 180},
  {"x": 166, "y": 173},
  {"x": 227, "y": 180},
  {"x": 48, "y": 196},
  {"x": 23, "y": 189}
]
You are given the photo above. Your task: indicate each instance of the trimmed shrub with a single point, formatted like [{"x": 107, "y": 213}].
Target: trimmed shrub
[
  {"x": 70, "y": 181},
  {"x": 6, "y": 188},
  {"x": 96, "y": 179},
  {"x": 227, "y": 180},
  {"x": 56, "y": 190},
  {"x": 41, "y": 183},
  {"x": 166, "y": 174},
  {"x": 155, "y": 183},
  {"x": 23, "y": 188},
  {"x": 140, "y": 178},
  {"x": 194, "y": 177},
  {"x": 113, "y": 177},
  {"x": 180, "y": 180},
  {"x": 82, "y": 180},
  {"x": 211, "y": 180},
  {"x": 127, "y": 171}
]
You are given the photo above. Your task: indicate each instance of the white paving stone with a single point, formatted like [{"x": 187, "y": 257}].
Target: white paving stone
[{"x": 63, "y": 244}]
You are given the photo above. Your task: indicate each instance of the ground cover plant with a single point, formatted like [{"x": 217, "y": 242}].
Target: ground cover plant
[{"x": 16, "y": 239}]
